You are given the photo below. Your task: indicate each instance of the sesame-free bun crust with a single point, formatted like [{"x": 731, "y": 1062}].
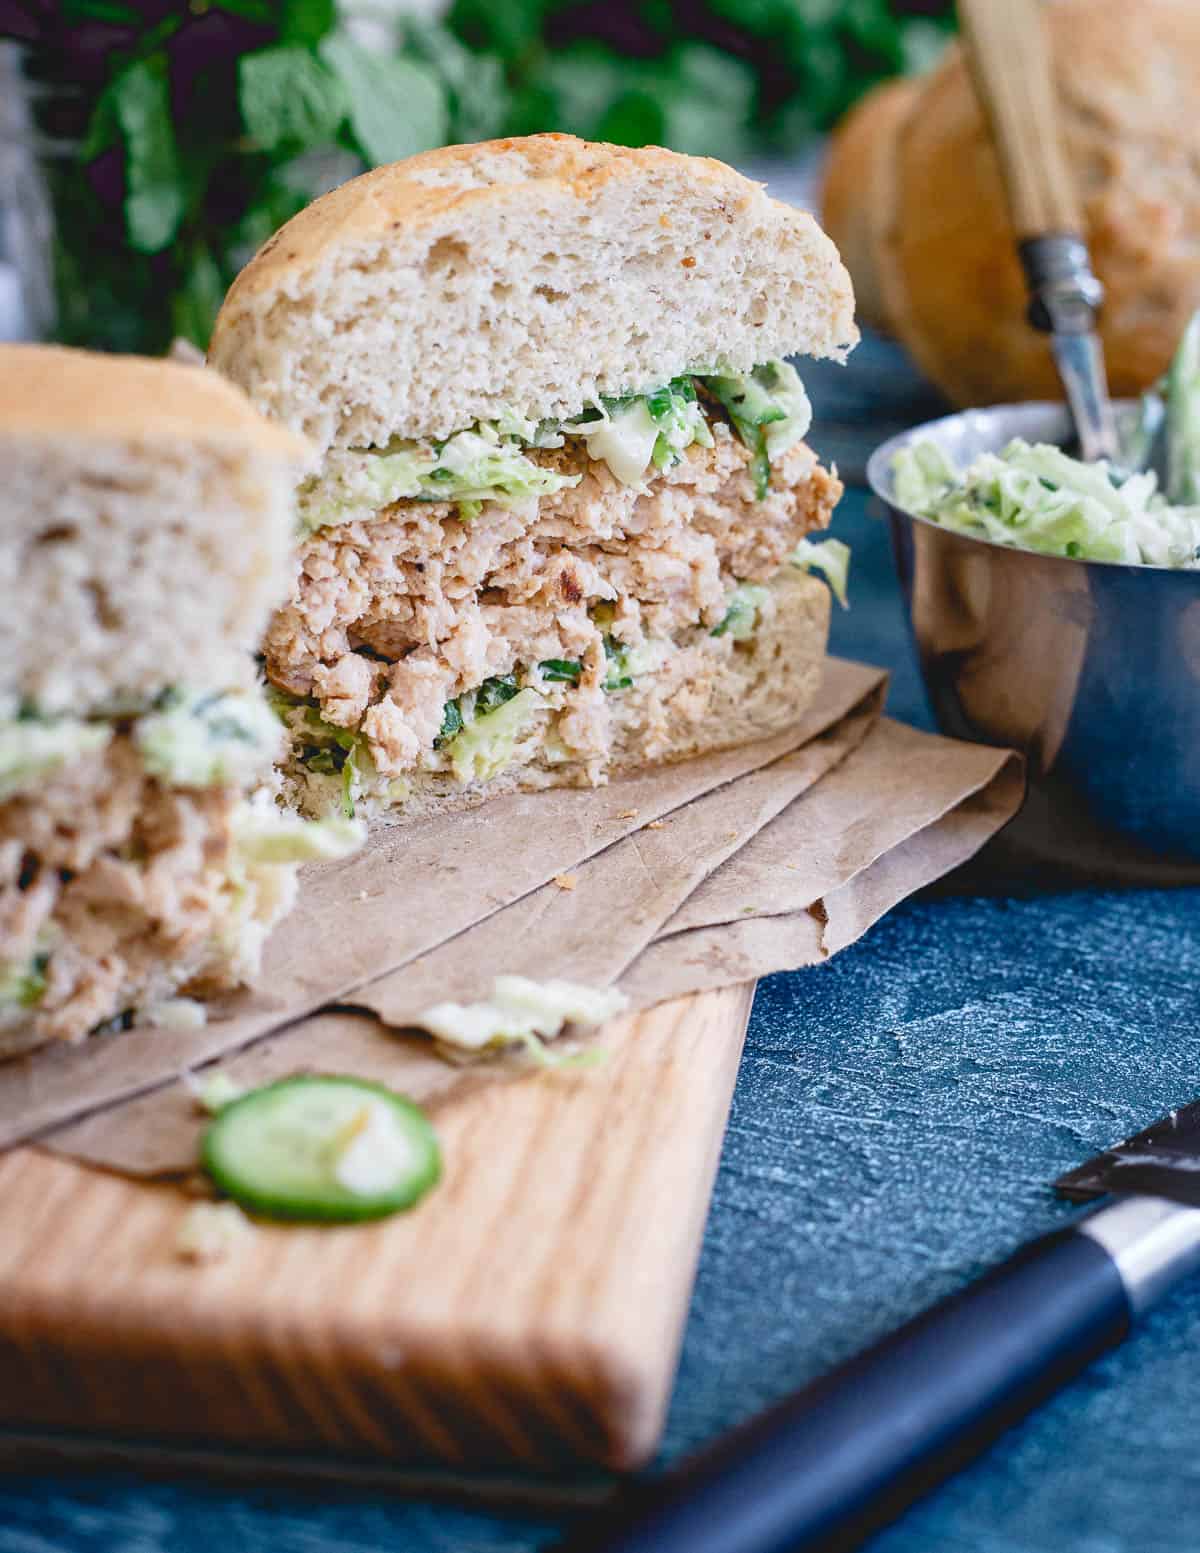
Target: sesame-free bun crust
[
  {"x": 146, "y": 524},
  {"x": 51, "y": 391},
  {"x": 535, "y": 273}
]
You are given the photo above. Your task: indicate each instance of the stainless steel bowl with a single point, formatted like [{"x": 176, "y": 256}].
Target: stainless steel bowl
[{"x": 1091, "y": 669}]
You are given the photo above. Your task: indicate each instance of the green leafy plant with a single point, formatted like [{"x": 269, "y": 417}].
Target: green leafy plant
[
  {"x": 724, "y": 78},
  {"x": 177, "y": 137}
]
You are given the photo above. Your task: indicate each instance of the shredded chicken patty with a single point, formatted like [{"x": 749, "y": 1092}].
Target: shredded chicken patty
[
  {"x": 393, "y": 616},
  {"x": 117, "y": 876}
]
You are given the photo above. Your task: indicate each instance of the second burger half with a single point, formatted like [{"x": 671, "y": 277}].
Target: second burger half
[{"x": 560, "y": 521}]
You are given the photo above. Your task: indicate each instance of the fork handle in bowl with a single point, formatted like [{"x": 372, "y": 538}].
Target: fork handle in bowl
[{"x": 1008, "y": 53}]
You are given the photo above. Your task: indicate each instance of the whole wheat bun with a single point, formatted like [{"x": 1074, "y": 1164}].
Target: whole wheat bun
[
  {"x": 734, "y": 692},
  {"x": 537, "y": 273},
  {"x": 145, "y": 527},
  {"x": 849, "y": 196},
  {"x": 941, "y": 244}
]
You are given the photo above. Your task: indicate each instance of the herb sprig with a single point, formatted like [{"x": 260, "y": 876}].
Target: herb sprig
[
  {"x": 726, "y": 78},
  {"x": 177, "y": 137}
]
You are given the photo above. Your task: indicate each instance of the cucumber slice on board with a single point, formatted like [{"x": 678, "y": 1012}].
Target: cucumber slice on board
[{"x": 284, "y": 1150}]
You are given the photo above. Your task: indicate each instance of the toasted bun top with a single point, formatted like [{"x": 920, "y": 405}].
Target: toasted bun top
[
  {"x": 535, "y": 273},
  {"x": 146, "y": 527},
  {"x": 51, "y": 390}
]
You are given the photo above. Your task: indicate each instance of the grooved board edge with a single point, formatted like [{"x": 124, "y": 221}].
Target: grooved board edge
[{"x": 528, "y": 1315}]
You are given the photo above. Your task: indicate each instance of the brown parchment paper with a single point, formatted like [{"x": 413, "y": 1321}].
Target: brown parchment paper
[
  {"x": 777, "y": 866},
  {"x": 409, "y": 890},
  {"x": 595, "y": 922},
  {"x": 832, "y": 865}
]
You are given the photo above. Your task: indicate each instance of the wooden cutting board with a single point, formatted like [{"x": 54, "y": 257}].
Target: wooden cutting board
[{"x": 528, "y": 1314}]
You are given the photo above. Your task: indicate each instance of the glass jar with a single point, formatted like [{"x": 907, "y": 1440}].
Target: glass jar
[{"x": 28, "y": 307}]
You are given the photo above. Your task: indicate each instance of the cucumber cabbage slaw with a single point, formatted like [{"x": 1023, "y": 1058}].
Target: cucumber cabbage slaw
[
  {"x": 32, "y": 749},
  {"x": 829, "y": 557},
  {"x": 210, "y": 740},
  {"x": 522, "y": 1011},
  {"x": 770, "y": 412},
  {"x": 1036, "y": 497},
  {"x": 631, "y": 433},
  {"x": 23, "y": 981},
  {"x": 1033, "y": 496},
  {"x": 228, "y": 738}
]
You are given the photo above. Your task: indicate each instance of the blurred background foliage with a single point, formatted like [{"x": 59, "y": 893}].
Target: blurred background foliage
[{"x": 173, "y": 139}]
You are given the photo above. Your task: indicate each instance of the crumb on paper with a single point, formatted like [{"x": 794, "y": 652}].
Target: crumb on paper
[
  {"x": 655, "y": 824},
  {"x": 519, "y": 1009},
  {"x": 566, "y": 881},
  {"x": 173, "y": 1014},
  {"x": 213, "y": 1091},
  {"x": 210, "y": 1231},
  {"x": 628, "y": 814}
]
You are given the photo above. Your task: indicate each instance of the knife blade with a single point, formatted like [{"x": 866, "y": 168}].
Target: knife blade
[
  {"x": 1064, "y": 299},
  {"x": 1081, "y": 368},
  {"x": 1161, "y": 1161},
  {"x": 845, "y": 1454}
]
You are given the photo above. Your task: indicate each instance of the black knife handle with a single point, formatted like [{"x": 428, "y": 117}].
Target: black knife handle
[{"x": 848, "y": 1452}]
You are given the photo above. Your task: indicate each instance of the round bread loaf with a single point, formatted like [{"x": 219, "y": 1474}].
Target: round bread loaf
[
  {"x": 849, "y": 196},
  {"x": 940, "y": 243},
  {"x": 536, "y": 274}
]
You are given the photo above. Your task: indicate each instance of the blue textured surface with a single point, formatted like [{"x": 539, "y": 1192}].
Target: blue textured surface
[{"x": 899, "y": 1115}]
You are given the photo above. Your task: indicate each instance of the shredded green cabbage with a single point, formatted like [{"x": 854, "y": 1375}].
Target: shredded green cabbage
[
  {"x": 31, "y": 748},
  {"x": 470, "y": 467},
  {"x": 520, "y": 1010},
  {"x": 486, "y": 743},
  {"x": 22, "y": 985},
  {"x": 770, "y": 412},
  {"x": 1036, "y": 497},
  {"x": 679, "y": 416},
  {"x": 741, "y": 618},
  {"x": 228, "y": 738},
  {"x": 263, "y": 834},
  {"x": 631, "y": 433},
  {"x": 1183, "y": 417},
  {"x": 831, "y": 558},
  {"x": 623, "y": 437},
  {"x": 209, "y": 741}
]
